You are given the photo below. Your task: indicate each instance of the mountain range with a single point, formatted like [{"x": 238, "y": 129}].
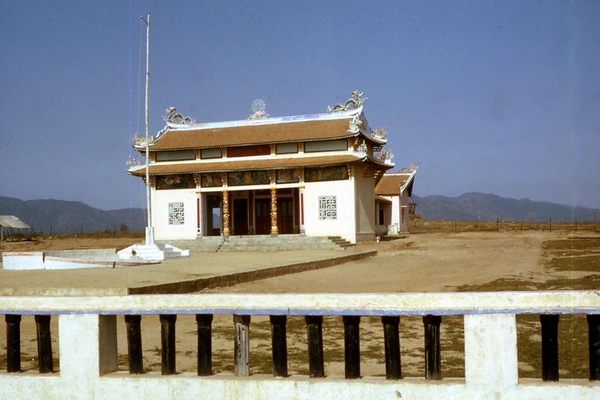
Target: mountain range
[
  {"x": 489, "y": 207},
  {"x": 60, "y": 217}
]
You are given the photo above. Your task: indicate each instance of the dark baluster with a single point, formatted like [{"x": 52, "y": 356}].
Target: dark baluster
[
  {"x": 167, "y": 336},
  {"x": 549, "y": 347},
  {"x": 279, "y": 345},
  {"x": 391, "y": 335},
  {"x": 433, "y": 358},
  {"x": 241, "y": 366},
  {"x": 204, "y": 322},
  {"x": 352, "y": 346},
  {"x": 314, "y": 328},
  {"x": 44, "y": 342},
  {"x": 134, "y": 344},
  {"x": 594, "y": 344},
  {"x": 13, "y": 342}
]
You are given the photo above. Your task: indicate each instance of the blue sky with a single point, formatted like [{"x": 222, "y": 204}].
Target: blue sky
[{"x": 497, "y": 97}]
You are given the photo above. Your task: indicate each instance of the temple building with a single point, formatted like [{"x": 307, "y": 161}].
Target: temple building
[{"x": 311, "y": 175}]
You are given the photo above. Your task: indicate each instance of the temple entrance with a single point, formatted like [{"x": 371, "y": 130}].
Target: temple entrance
[
  {"x": 263, "y": 216},
  {"x": 285, "y": 215},
  {"x": 213, "y": 215},
  {"x": 240, "y": 216}
]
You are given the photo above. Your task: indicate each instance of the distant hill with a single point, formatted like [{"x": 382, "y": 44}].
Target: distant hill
[
  {"x": 488, "y": 207},
  {"x": 59, "y": 216}
]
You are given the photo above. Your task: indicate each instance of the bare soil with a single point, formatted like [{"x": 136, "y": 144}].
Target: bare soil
[{"x": 423, "y": 262}]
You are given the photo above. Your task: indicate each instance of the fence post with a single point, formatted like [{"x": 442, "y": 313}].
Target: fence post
[
  {"x": 279, "y": 345},
  {"x": 44, "y": 344},
  {"x": 242, "y": 345},
  {"x": 204, "y": 322},
  {"x": 594, "y": 345},
  {"x": 433, "y": 359},
  {"x": 391, "y": 337},
  {"x": 13, "y": 342},
  {"x": 134, "y": 344},
  {"x": 352, "y": 346},
  {"x": 491, "y": 350},
  {"x": 549, "y": 347},
  {"x": 167, "y": 336},
  {"x": 314, "y": 327}
]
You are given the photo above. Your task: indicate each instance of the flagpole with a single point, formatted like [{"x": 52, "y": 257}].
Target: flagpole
[{"x": 149, "y": 230}]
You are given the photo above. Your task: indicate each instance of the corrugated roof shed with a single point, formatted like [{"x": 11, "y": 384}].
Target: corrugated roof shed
[{"x": 10, "y": 221}]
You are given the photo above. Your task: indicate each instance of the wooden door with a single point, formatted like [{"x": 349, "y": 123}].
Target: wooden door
[{"x": 262, "y": 213}]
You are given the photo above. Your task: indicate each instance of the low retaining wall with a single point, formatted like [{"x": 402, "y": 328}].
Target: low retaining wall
[{"x": 64, "y": 259}]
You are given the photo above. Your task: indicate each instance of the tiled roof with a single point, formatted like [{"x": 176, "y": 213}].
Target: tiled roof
[
  {"x": 390, "y": 183},
  {"x": 250, "y": 134},
  {"x": 225, "y": 165}
]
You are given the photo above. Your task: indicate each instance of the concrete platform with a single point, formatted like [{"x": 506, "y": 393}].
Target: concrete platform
[{"x": 185, "y": 275}]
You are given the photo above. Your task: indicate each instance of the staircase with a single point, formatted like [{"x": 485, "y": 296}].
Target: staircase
[{"x": 263, "y": 243}]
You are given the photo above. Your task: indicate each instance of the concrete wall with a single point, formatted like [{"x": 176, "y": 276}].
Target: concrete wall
[
  {"x": 88, "y": 347},
  {"x": 364, "y": 198},
  {"x": 345, "y": 222},
  {"x": 165, "y": 231},
  {"x": 60, "y": 259}
]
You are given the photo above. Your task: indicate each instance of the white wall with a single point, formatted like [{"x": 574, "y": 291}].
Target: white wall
[
  {"x": 162, "y": 229},
  {"x": 364, "y": 194},
  {"x": 344, "y": 224}
]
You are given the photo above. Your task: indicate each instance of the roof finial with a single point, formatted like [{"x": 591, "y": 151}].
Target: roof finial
[
  {"x": 259, "y": 108},
  {"x": 356, "y": 100}
]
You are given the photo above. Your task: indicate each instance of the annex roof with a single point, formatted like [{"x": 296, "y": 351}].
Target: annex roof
[
  {"x": 316, "y": 127},
  {"x": 270, "y": 163},
  {"x": 395, "y": 183},
  {"x": 10, "y": 221}
]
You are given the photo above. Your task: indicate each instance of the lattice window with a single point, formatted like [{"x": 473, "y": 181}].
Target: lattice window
[
  {"x": 327, "y": 207},
  {"x": 176, "y": 213}
]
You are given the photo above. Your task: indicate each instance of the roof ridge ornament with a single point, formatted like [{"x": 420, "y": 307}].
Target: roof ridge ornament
[
  {"x": 259, "y": 110},
  {"x": 140, "y": 140},
  {"x": 133, "y": 162},
  {"x": 413, "y": 166},
  {"x": 355, "y": 101},
  {"x": 174, "y": 117},
  {"x": 355, "y": 124},
  {"x": 379, "y": 133},
  {"x": 385, "y": 154}
]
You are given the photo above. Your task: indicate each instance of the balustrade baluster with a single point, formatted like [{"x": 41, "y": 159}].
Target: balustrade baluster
[
  {"x": 352, "y": 346},
  {"x": 167, "y": 336},
  {"x": 242, "y": 345},
  {"x": 134, "y": 344},
  {"x": 13, "y": 342},
  {"x": 549, "y": 347},
  {"x": 204, "y": 322},
  {"x": 391, "y": 335},
  {"x": 594, "y": 345},
  {"x": 433, "y": 358},
  {"x": 279, "y": 345},
  {"x": 44, "y": 344},
  {"x": 314, "y": 327}
]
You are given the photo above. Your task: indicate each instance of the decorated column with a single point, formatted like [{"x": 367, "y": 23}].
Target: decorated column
[
  {"x": 226, "y": 213},
  {"x": 274, "y": 229},
  {"x": 301, "y": 210}
]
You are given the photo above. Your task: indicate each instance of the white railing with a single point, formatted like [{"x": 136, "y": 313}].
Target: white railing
[{"x": 88, "y": 347}]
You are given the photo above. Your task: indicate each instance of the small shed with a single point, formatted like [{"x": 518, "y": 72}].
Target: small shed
[{"x": 10, "y": 221}]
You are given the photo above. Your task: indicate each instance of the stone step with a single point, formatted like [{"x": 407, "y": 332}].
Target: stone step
[{"x": 268, "y": 243}]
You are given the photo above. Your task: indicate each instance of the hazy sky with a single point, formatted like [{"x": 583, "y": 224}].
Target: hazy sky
[{"x": 497, "y": 97}]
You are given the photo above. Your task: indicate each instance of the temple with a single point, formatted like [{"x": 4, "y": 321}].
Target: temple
[{"x": 311, "y": 175}]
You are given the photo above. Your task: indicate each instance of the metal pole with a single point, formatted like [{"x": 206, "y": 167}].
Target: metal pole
[{"x": 149, "y": 234}]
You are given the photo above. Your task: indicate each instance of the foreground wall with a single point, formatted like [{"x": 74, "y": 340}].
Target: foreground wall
[{"x": 88, "y": 347}]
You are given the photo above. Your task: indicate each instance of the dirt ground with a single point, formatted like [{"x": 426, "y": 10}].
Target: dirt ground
[{"x": 425, "y": 262}]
